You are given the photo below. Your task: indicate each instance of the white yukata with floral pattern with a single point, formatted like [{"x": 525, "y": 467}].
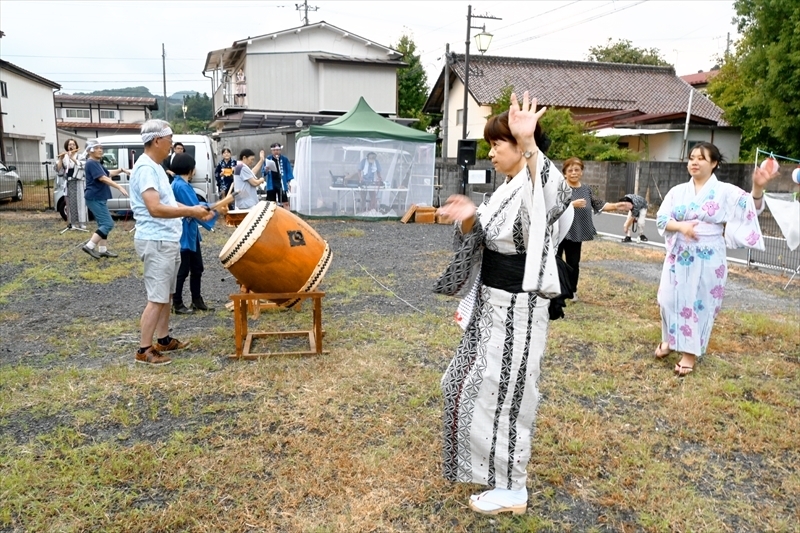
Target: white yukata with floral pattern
[{"x": 694, "y": 274}]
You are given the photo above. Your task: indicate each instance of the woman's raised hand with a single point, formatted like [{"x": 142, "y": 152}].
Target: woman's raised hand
[
  {"x": 522, "y": 119},
  {"x": 761, "y": 177}
]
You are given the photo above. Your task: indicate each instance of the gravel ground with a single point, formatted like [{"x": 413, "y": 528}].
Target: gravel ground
[{"x": 406, "y": 258}]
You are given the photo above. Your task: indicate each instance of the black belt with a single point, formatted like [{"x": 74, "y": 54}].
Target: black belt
[{"x": 502, "y": 271}]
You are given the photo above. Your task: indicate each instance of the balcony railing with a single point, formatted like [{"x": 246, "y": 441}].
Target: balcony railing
[{"x": 227, "y": 97}]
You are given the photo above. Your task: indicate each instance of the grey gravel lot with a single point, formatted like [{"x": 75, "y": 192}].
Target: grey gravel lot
[{"x": 403, "y": 258}]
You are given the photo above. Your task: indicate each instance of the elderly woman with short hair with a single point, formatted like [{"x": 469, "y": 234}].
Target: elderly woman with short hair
[{"x": 97, "y": 194}]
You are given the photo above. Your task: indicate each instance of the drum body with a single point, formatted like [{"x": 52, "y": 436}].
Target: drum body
[
  {"x": 273, "y": 250},
  {"x": 234, "y": 217}
]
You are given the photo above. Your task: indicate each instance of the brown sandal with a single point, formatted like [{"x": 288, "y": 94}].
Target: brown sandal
[
  {"x": 682, "y": 370},
  {"x": 661, "y": 353}
]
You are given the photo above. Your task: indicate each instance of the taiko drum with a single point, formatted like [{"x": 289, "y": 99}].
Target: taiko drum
[{"x": 273, "y": 250}]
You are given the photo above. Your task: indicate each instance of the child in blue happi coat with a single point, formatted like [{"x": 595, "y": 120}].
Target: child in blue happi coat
[{"x": 183, "y": 165}]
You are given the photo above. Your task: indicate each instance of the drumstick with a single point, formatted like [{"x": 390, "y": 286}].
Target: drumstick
[{"x": 225, "y": 201}]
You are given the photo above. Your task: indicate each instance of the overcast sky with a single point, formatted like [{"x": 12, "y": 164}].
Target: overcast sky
[{"x": 86, "y": 46}]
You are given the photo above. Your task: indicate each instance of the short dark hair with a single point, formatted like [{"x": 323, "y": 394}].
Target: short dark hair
[
  {"x": 182, "y": 164},
  {"x": 571, "y": 161},
  {"x": 66, "y": 144},
  {"x": 226, "y": 150},
  {"x": 372, "y": 153},
  {"x": 497, "y": 129},
  {"x": 178, "y": 144},
  {"x": 714, "y": 155},
  {"x": 247, "y": 152},
  {"x": 276, "y": 145}
]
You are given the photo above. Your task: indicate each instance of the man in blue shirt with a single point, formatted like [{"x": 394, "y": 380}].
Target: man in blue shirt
[
  {"x": 277, "y": 178},
  {"x": 183, "y": 168},
  {"x": 157, "y": 240}
]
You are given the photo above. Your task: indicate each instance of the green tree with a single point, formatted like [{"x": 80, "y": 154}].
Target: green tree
[
  {"x": 412, "y": 85},
  {"x": 623, "y": 51},
  {"x": 569, "y": 137},
  {"x": 758, "y": 86}
]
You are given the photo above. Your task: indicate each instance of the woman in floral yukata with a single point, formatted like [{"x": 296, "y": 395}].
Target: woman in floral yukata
[{"x": 697, "y": 220}]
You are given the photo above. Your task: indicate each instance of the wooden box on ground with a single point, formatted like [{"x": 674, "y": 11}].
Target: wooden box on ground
[{"x": 425, "y": 215}]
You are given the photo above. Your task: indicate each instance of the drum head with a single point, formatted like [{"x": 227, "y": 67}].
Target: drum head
[{"x": 247, "y": 233}]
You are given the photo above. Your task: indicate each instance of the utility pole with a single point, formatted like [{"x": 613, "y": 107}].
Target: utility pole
[
  {"x": 305, "y": 8},
  {"x": 164, "y": 79},
  {"x": 470, "y": 16},
  {"x": 2, "y": 133},
  {"x": 728, "y": 46},
  {"x": 446, "y": 113}
]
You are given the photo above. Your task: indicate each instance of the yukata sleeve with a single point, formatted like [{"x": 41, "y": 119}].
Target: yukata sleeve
[
  {"x": 562, "y": 191},
  {"x": 460, "y": 274},
  {"x": 663, "y": 216},
  {"x": 741, "y": 218}
]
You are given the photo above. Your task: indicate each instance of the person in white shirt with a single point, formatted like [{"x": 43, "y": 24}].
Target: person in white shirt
[
  {"x": 157, "y": 241},
  {"x": 245, "y": 182}
]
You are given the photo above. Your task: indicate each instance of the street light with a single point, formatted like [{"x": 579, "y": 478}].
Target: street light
[
  {"x": 184, "y": 107},
  {"x": 482, "y": 41}
]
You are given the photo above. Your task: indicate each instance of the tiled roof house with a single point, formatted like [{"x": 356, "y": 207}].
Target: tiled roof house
[
  {"x": 644, "y": 105},
  {"x": 88, "y": 116}
]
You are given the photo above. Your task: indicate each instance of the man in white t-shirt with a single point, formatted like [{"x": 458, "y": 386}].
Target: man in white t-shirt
[
  {"x": 157, "y": 240},
  {"x": 245, "y": 182}
]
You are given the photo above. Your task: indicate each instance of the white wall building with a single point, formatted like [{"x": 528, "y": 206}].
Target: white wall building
[
  {"x": 29, "y": 130},
  {"x": 310, "y": 74}
]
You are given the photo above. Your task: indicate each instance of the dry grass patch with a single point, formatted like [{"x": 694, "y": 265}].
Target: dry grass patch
[{"x": 350, "y": 441}]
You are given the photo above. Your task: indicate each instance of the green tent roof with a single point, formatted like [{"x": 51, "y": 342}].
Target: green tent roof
[{"x": 363, "y": 121}]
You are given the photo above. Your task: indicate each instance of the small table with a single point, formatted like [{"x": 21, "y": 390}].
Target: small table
[{"x": 354, "y": 190}]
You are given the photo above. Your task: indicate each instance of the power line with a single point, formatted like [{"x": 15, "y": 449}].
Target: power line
[
  {"x": 571, "y": 25},
  {"x": 114, "y": 58},
  {"x": 533, "y": 17}
]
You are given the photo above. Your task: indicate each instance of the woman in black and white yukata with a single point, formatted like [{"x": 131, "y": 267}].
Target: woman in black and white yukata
[{"x": 505, "y": 259}]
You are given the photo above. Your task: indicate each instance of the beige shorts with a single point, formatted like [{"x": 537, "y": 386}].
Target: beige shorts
[{"x": 161, "y": 262}]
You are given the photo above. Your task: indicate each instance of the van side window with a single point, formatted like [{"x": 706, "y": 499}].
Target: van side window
[{"x": 130, "y": 153}]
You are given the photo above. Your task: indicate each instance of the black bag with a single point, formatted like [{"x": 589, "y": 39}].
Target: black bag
[{"x": 558, "y": 303}]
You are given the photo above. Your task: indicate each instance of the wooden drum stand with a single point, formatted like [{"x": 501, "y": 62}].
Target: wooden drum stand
[{"x": 244, "y": 339}]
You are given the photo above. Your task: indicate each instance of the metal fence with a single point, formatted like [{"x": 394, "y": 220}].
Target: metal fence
[
  {"x": 776, "y": 254},
  {"x": 34, "y": 180},
  {"x": 611, "y": 181}
]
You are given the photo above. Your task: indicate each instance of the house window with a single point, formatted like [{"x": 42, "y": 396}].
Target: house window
[
  {"x": 459, "y": 117},
  {"x": 49, "y": 149},
  {"x": 77, "y": 113},
  {"x": 4, "y": 89},
  {"x": 108, "y": 113}
]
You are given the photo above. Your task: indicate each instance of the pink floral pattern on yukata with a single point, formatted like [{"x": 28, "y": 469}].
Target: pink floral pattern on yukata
[
  {"x": 718, "y": 292},
  {"x": 720, "y": 271},
  {"x": 752, "y": 239},
  {"x": 711, "y": 207}
]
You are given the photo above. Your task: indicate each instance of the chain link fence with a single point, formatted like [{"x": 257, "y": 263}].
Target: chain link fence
[{"x": 27, "y": 186}]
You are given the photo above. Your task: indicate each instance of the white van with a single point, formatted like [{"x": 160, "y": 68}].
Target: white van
[{"x": 122, "y": 151}]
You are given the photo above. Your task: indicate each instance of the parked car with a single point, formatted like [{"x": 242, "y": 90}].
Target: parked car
[
  {"x": 10, "y": 184},
  {"x": 122, "y": 151}
]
